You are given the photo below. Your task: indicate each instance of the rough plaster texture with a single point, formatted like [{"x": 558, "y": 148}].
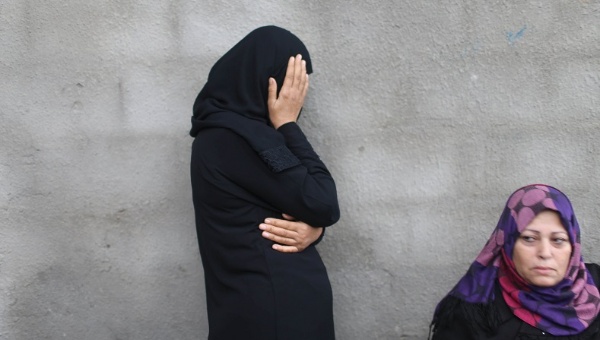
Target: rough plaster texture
[{"x": 428, "y": 113}]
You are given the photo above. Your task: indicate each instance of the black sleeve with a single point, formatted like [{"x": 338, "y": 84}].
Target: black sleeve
[{"x": 306, "y": 191}]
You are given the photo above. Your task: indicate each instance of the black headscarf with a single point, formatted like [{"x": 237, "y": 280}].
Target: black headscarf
[{"x": 236, "y": 92}]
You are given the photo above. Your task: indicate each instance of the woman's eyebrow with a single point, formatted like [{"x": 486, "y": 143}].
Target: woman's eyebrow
[
  {"x": 531, "y": 230},
  {"x": 538, "y": 232}
]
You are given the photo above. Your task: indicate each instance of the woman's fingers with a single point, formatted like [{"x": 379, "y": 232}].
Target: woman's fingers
[
  {"x": 287, "y": 224},
  {"x": 288, "y": 217},
  {"x": 272, "y": 92},
  {"x": 298, "y": 76},
  {"x": 279, "y": 232},
  {"x": 289, "y": 73},
  {"x": 286, "y": 107},
  {"x": 305, "y": 88},
  {"x": 279, "y": 239},
  {"x": 285, "y": 249},
  {"x": 295, "y": 75}
]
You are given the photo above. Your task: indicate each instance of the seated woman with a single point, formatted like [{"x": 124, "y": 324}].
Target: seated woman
[{"x": 529, "y": 281}]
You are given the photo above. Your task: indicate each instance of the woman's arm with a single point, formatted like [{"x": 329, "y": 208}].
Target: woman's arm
[{"x": 306, "y": 191}]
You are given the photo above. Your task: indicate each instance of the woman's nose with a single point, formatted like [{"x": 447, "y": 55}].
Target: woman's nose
[{"x": 544, "y": 249}]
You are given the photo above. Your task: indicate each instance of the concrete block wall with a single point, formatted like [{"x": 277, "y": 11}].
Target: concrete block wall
[{"x": 429, "y": 114}]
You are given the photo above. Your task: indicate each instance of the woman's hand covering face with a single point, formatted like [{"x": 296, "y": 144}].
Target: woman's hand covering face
[{"x": 286, "y": 107}]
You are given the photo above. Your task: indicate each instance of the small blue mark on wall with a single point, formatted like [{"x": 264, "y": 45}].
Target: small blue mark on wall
[{"x": 514, "y": 37}]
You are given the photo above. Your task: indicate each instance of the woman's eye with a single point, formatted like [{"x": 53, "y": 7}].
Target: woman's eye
[
  {"x": 527, "y": 239},
  {"x": 559, "y": 240}
]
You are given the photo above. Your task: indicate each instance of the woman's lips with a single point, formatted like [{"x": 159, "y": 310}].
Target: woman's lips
[{"x": 543, "y": 270}]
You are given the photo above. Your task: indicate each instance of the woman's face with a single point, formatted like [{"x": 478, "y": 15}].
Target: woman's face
[{"x": 542, "y": 252}]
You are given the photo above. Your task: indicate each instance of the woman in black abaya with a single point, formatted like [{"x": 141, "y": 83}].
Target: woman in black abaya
[{"x": 251, "y": 161}]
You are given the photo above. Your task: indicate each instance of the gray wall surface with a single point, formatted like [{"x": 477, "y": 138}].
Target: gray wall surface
[{"x": 428, "y": 113}]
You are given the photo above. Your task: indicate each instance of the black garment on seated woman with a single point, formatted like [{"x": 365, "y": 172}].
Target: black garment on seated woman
[{"x": 496, "y": 321}]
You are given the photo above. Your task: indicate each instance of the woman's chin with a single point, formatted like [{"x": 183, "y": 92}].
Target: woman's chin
[{"x": 543, "y": 281}]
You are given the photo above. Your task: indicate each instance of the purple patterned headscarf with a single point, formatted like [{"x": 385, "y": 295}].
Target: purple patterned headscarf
[{"x": 565, "y": 309}]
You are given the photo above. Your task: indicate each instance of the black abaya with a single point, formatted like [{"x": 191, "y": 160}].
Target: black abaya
[{"x": 253, "y": 291}]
